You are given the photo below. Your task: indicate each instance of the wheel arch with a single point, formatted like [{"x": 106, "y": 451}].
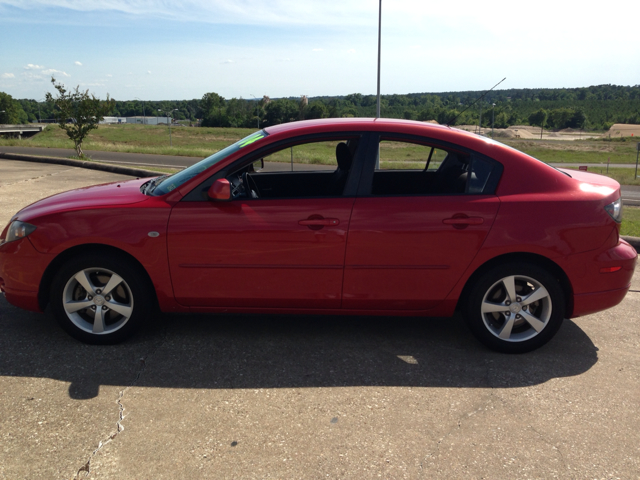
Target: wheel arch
[
  {"x": 526, "y": 257},
  {"x": 93, "y": 248}
]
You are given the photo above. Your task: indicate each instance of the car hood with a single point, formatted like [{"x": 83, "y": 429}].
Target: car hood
[{"x": 109, "y": 194}]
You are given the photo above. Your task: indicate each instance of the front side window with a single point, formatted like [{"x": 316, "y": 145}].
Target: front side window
[
  {"x": 302, "y": 170},
  {"x": 168, "y": 183}
]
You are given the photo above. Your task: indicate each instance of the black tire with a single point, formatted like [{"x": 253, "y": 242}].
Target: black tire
[
  {"x": 523, "y": 323},
  {"x": 92, "y": 315}
]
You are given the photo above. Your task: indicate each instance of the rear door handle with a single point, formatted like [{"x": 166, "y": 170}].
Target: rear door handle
[
  {"x": 463, "y": 221},
  {"x": 323, "y": 222}
]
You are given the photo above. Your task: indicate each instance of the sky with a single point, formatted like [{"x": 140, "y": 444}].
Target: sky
[{"x": 182, "y": 49}]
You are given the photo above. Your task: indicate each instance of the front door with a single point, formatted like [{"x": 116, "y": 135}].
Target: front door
[
  {"x": 280, "y": 242},
  {"x": 260, "y": 253}
]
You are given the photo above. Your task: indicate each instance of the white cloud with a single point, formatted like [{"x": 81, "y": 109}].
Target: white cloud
[
  {"x": 227, "y": 61},
  {"x": 351, "y": 50},
  {"x": 318, "y": 49},
  {"x": 109, "y": 75},
  {"x": 52, "y": 71},
  {"x": 31, "y": 66},
  {"x": 7, "y": 75},
  {"x": 148, "y": 72},
  {"x": 78, "y": 63}
]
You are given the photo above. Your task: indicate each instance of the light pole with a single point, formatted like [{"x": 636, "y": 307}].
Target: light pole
[
  {"x": 168, "y": 114},
  {"x": 144, "y": 118},
  {"x": 379, "y": 45},
  {"x": 493, "y": 109},
  {"x": 257, "y": 109},
  {"x": 38, "y": 103}
]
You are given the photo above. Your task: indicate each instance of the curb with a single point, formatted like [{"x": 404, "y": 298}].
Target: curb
[{"x": 134, "y": 172}]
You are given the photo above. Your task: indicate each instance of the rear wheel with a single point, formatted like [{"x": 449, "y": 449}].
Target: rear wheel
[
  {"x": 515, "y": 308},
  {"x": 99, "y": 299}
]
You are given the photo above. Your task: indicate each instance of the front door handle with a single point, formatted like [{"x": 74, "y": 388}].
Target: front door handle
[{"x": 463, "y": 221}]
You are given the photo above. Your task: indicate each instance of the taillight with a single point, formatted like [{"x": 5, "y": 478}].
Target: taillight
[{"x": 615, "y": 210}]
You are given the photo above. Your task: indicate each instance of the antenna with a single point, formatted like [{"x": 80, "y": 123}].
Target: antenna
[{"x": 480, "y": 98}]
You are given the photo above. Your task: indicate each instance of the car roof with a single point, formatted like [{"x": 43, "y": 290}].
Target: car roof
[{"x": 352, "y": 123}]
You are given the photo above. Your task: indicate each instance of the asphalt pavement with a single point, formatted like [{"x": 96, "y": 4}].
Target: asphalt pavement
[{"x": 265, "y": 396}]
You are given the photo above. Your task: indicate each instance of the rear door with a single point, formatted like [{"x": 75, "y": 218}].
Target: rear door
[{"x": 414, "y": 230}]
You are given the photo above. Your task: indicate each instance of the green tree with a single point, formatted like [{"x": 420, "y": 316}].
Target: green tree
[
  {"x": 317, "y": 110},
  {"x": 281, "y": 111},
  {"x": 210, "y": 101},
  {"x": 539, "y": 118},
  {"x": 11, "y": 111},
  {"x": 78, "y": 112}
]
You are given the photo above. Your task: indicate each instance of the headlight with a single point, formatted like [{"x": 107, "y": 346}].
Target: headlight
[
  {"x": 18, "y": 230},
  {"x": 615, "y": 210}
]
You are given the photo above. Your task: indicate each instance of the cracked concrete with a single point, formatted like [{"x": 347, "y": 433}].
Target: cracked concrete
[
  {"x": 85, "y": 470},
  {"x": 308, "y": 397}
]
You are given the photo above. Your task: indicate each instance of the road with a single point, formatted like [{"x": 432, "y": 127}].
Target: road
[
  {"x": 256, "y": 397},
  {"x": 630, "y": 194}
]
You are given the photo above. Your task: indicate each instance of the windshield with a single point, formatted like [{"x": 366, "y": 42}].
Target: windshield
[{"x": 163, "y": 185}]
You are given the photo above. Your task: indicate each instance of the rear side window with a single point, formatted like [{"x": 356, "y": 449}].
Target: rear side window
[
  {"x": 405, "y": 167},
  {"x": 483, "y": 176}
]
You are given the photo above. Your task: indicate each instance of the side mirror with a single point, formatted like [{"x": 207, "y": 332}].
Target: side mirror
[{"x": 220, "y": 190}]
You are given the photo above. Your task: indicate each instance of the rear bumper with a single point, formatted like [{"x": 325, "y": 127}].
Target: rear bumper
[
  {"x": 588, "y": 303},
  {"x": 595, "y": 287}
]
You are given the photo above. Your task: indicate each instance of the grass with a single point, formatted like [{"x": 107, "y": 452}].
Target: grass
[
  {"x": 624, "y": 176},
  {"x": 577, "y": 151},
  {"x": 630, "y": 221},
  {"x": 202, "y": 141},
  {"x": 129, "y": 138}
]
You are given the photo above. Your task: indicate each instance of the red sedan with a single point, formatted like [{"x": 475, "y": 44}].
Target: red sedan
[{"x": 336, "y": 216}]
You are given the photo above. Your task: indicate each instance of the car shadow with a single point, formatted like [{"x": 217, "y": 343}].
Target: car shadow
[{"x": 268, "y": 351}]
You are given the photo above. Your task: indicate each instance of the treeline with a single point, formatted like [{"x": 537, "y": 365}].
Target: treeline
[{"x": 592, "y": 108}]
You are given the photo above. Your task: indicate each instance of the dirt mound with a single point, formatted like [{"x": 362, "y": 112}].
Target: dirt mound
[
  {"x": 618, "y": 130},
  {"x": 511, "y": 132}
]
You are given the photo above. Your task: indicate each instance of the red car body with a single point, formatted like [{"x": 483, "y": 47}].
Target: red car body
[{"x": 375, "y": 255}]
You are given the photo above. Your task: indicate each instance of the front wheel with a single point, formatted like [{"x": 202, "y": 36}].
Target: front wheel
[
  {"x": 100, "y": 300},
  {"x": 515, "y": 308}
]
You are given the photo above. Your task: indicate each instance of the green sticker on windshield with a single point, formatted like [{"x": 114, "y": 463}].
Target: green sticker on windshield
[{"x": 253, "y": 138}]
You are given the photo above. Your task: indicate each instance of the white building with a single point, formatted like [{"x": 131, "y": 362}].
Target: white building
[
  {"x": 149, "y": 120},
  {"x": 110, "y": 120}
]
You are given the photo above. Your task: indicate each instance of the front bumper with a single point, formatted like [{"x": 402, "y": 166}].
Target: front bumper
[{"x": 21, "y": 271}]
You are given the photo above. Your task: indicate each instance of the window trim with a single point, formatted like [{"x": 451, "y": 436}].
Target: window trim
[{"x": 368, "y": 168}]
